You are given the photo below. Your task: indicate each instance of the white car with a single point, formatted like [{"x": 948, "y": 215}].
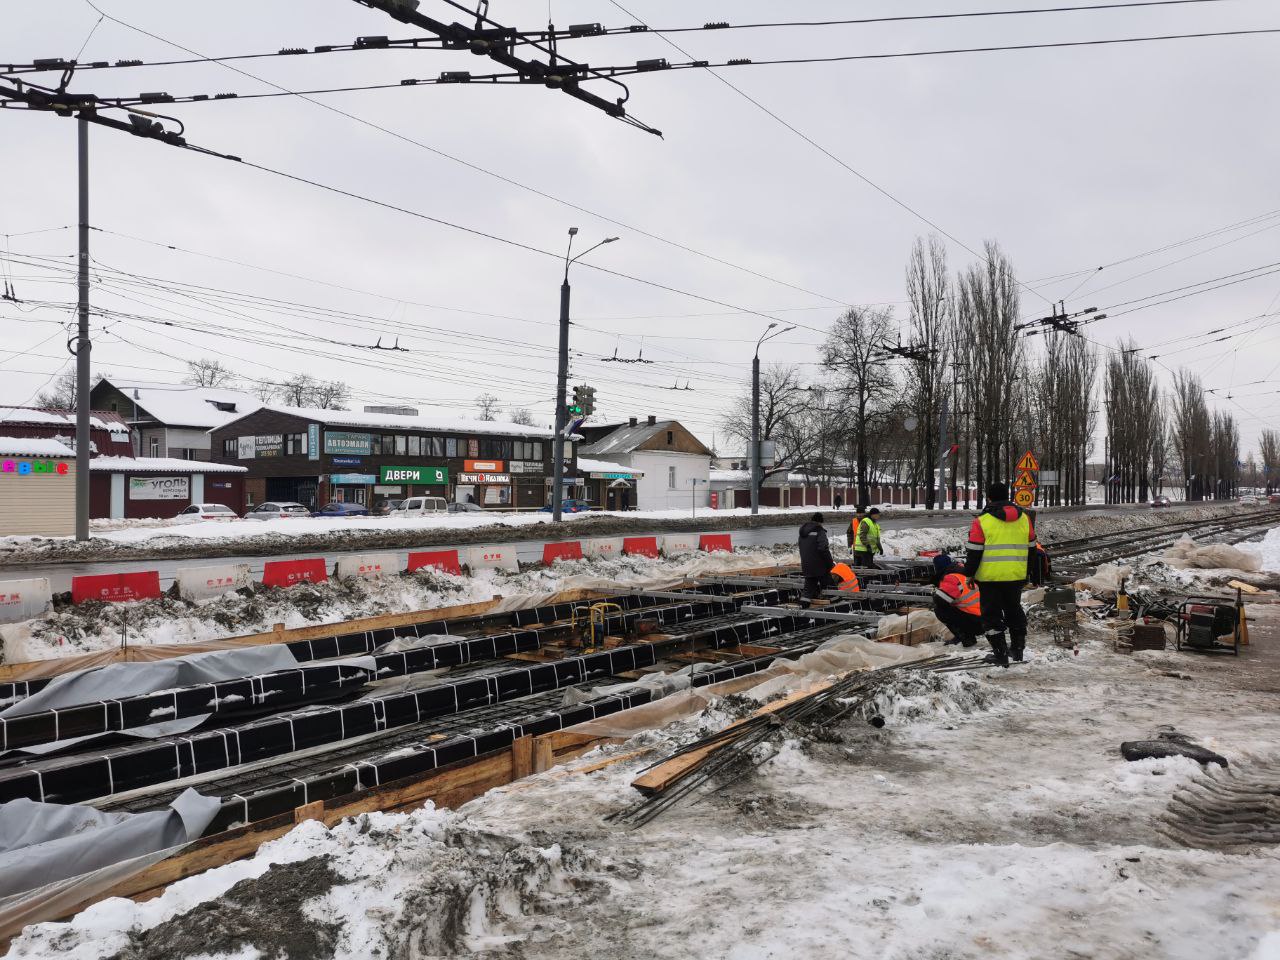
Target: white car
[
  {"x": 420, "y": 507},
  {"x": 198, "y": 512},
  {"x": 276, "y": 509}
]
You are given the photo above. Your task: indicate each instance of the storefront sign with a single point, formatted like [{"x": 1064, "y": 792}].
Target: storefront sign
[
  {"x": 527, "y": 466},
  {"x": 495, "y": 478},
  {"x": 483, "y": 466},
  {"x": 351, "y": 443},
  {"x": 313, "y": 441},
  {"x": 356, "y": 479},
  {"x": 159, "y": 488},
  {"x": 385, "y": 488},
  {"x": 348, "y": 462},
  {"x": 25, "y": 468},
  {"x": 428, "y": 475},
  {"x": 23, "y": 599},
  {"x": 612, "y": 476},
  {"x": 206, "y": 583},
  {"x": 116, "y": 587},
  {"x": 268, "y": 445},
  {"x": 244, "y": 448}
]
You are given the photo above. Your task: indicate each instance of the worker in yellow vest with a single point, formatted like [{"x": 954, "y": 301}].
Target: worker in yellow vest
[
  {"x": 1000, "y": 542},
  {"x": 956, "y": 602},
  {"x": 866, "y": 542},
  {"x": 846, "y": 579}
]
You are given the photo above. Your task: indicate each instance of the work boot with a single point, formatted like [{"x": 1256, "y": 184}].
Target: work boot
[
  {"x": 1016, "y": 650},
  {"x": 999, "y": 654},
  {"x": 968, "y": 642}
]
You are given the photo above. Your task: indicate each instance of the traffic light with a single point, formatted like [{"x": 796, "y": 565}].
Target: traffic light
[{"x": 584, "y": 401}]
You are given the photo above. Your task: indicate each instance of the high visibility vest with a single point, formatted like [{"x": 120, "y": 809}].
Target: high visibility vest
[
  {"x": 966, "y": 600},
  {"x": 867, "y": 539},
  {"x": 848, "y": 579},
  {"x": 1005, "y": 547}
]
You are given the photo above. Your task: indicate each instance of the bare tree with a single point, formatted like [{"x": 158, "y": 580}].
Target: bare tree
[
  {"x": 850, "y": 353},
  {"x": 330, "y": 395},
  {"x": 1269, "y": 451},
  {"x": 1224, "y": 456},
  {"x": 208, "y": 372},
  {"x": 1191, "y": 433},
  {"x": 1063, "y": 412},
  {"x": 929, "y": 294},
  {"x": 487, "y": 404},
  {"x": 298, "y": 390},
  {"x": 265, "y": 390},
  {"x": 522, "y": 416},
  {"x": 1134, "y": 422},
  {"x": 60, "y": 394},
  {"x": 783, "y": 401}
]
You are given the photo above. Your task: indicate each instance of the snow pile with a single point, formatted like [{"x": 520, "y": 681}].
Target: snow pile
[
  {"x": 1213, "y": 556},
  {"x": 1266, "y": 551}
]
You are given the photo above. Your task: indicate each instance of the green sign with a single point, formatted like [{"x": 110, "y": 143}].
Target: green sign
[
  {"x": 359, "y": 444},
  {"x": 428, "y": 475}
]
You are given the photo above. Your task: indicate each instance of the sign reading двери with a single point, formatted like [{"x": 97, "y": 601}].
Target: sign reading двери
[{"x": 422, "y": 475}]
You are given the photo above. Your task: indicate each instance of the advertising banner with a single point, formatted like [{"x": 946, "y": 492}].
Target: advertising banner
[
  {"x": 313, "y": 441},
  {"x": 245, "y": 448},
  {"x": 357, "y": 444},
  {"x": 368, "y": 565},
  {"x": 484, "y": 466},
  {"x": 268, "y": 445},
  {"x": 207, "y": 583},
  {"x": 116, "y": 587},
  {"x": 495, "y": 478},
  {"x": 286, "y": 573},
  {"x": 426, "y": 475},
  {"x": 23, "y": 599},
  {"x": 159, "y": 488}
]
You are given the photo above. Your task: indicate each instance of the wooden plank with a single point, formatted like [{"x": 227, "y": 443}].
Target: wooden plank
[
  {"x": 309, "y": 811},
  {"x": 543, "y": 758},
  {"x": 1244, "y": 587},
  {"x": 522, "y": 758}
]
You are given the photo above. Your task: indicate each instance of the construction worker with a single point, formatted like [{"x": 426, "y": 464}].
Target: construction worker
[
  {"x": 851, "y": 534},
  {"x": 815, "y": 557},
  {"x": 846, "y": 579},
  {"x": 1000, "y": 540},
  {"x": 955, "y": 602},
  {"x": 866, "y": 542}
]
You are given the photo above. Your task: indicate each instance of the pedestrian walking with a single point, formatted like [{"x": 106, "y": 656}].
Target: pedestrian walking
[
  {"x": 1000, "y": 542},
  {"x": 815, "y": 557},
  {"x": 839, "y": 502},
  {"x": 866, "y": 541},
  {"x": 956, "y": 602}
]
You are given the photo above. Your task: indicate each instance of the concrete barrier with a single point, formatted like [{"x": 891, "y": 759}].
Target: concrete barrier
[
  {"x": 368, "y": 565},
  {"x": 205, "y": 583},
  {"x": 495, "y": 557},
  {"x": 24, "y": 599},
  {"x": 674, "y": 544},
  {"x": 603, "y": 547}
]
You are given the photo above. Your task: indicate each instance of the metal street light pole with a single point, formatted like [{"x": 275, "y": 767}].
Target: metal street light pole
[
  {"x": 755, "y": 415},
  {"x": 562, "y": 380},
  {"x": 83, "y": 347}
]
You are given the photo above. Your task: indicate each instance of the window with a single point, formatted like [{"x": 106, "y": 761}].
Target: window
[
  {"x": 386, "y": 444},
  {"x": 671, "y": 436},
  {"x": 451, "y": 446},
  {"x": 229, "y": 448},
  {"x": 153, "y": 447},
  {"x": 671, "y": 478},
  {"x": 415, "y": 445},
  {"x": 402, "y": 445},
  {"x": 537, "y": 450},
  {"x": 437, "y": 446},
  {"x": 295, "y": 443},
  {"x": 473, "y": 448}
]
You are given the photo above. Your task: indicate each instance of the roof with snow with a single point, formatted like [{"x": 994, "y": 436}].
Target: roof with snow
[
  {"x": 628, "y": 439},
  {"x": 33, "y": 447},
  {"x": 31, "y": 416},
  {"x": 185, "y": 405},
  {"x": 161, "y": 465},
  {"x": 587, "y": 465},
  {"x": 396, "y": 421}
]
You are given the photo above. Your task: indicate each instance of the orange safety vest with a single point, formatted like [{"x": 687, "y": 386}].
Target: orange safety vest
[
  {"x": 848, "y": 579},
  {"x": 966, "y": 597}
]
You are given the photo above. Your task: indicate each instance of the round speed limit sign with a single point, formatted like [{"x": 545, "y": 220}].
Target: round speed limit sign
[{"x": 1024, "y": 497}]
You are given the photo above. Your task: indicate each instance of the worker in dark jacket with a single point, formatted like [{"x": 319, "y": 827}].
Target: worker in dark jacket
[
  {"x": 955, "y": 601},
  {"x": 851, "y": 534},
  {"x": 1000, "y": 542},
  {"x": 815, "y": 557}
]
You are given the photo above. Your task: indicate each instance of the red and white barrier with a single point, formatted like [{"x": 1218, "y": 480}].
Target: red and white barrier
[
  {"x": 674, "y": 544},
  {"x": 497, "y": 557},
  {"x": 368, "y": 565},
  {"x": 206, "y": 583},
  {"x": 24, "y": 599},
  {"x": 116, "y": 587},
  {"x": 641, "y": 546},
  {"x": 603, "y": 547},
  {"x": 712, "y": 542},
  {"x": 446, "y": 561},
  {"x": 288, "y": 573},
  {"x": 564, "y": 550}
]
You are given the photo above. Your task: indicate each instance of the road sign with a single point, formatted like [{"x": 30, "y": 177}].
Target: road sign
[
  {"x": 1024, "y": 479},
  {"x": 1028, "y": 462},
  {"x": 1024, "y": 497},
  {"x": 1048, "y": 478}
]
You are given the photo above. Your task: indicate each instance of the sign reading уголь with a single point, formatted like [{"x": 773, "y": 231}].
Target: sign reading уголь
[
  {"x": 159, "y": 488},
  {"x": 426, "y": 475}
]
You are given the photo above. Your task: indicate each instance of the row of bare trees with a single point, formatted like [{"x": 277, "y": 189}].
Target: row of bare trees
[{"x": 964, "y": 397}]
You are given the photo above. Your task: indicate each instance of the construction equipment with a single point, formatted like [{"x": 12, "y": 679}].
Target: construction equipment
[
  {"x": 1207, "y": 625},
  {"x": 597, "y": 623}
]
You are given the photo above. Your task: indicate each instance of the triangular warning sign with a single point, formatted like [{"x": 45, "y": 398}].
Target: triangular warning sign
[
  {"x": 1024, "y": 479},
  {"x": 1028, "y": 462}
]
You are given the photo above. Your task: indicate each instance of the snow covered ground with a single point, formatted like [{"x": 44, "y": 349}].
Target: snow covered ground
[{"x": 992, "y": 816}]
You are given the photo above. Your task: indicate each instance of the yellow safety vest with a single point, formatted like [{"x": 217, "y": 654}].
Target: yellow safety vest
[
  {"x": 871, "y": 542},
  {"x": 1004, "y": 553}
]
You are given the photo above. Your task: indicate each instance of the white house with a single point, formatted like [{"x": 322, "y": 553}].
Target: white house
[
  {"x": 673, "y": 467},
  {"x": 172, "y": 419}
]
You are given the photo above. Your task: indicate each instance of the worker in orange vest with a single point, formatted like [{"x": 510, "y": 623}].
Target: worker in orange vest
[
  {"x": 847, "y": 579},
  {"x": 956, "y": 602}
]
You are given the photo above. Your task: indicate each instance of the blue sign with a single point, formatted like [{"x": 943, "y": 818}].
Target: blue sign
[
  {"x": 347, "y": 461},
  {"x": 353, "y": 478}
]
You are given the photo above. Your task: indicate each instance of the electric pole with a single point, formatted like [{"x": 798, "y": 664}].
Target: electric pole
[{"x": 83, "y": 347}]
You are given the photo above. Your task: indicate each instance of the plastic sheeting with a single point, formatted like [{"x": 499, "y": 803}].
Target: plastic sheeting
[
  {"x": 55, "y": 857},
  {"x": 1212, "y": 556},
  {"x": 896, "y": 624},
  {"x": 1106, "y": 579}
]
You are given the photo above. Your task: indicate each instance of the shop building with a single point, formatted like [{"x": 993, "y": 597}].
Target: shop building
[
  {"x": 607, "y": 485},
  {"x": 135, "y": 488},
  {"x": 108, "y": 433},
  {"x": 672, "y": 467},
  {"x": 171, "y": 419},
  {"x": 37, "y": 487},
  {"x": 368, "y": 457}
]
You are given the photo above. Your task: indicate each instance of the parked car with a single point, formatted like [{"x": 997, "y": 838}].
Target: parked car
[
  {"x": 389, "y": 506},
  {"x": 1250, "y": 501},
  {"x": 277, "y": 509},
  {"x": 1273, "y": 498},
  {"x": 421, "y": 507},
  {"x": 570, "y": 506},
  {"x": 1159, "y": 501},
  {"x": 198, "y": 512},
  {"x": 465, "y": 508},
  {"x": 336, "y": 509}
]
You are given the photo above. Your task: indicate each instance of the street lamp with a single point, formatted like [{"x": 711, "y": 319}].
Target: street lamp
[
  {"x": 562, "y": 378},
  {"x": 755, "y": 414}
]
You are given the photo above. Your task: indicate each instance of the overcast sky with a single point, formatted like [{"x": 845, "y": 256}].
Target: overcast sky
[{"x": 1070, "y": 158}]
